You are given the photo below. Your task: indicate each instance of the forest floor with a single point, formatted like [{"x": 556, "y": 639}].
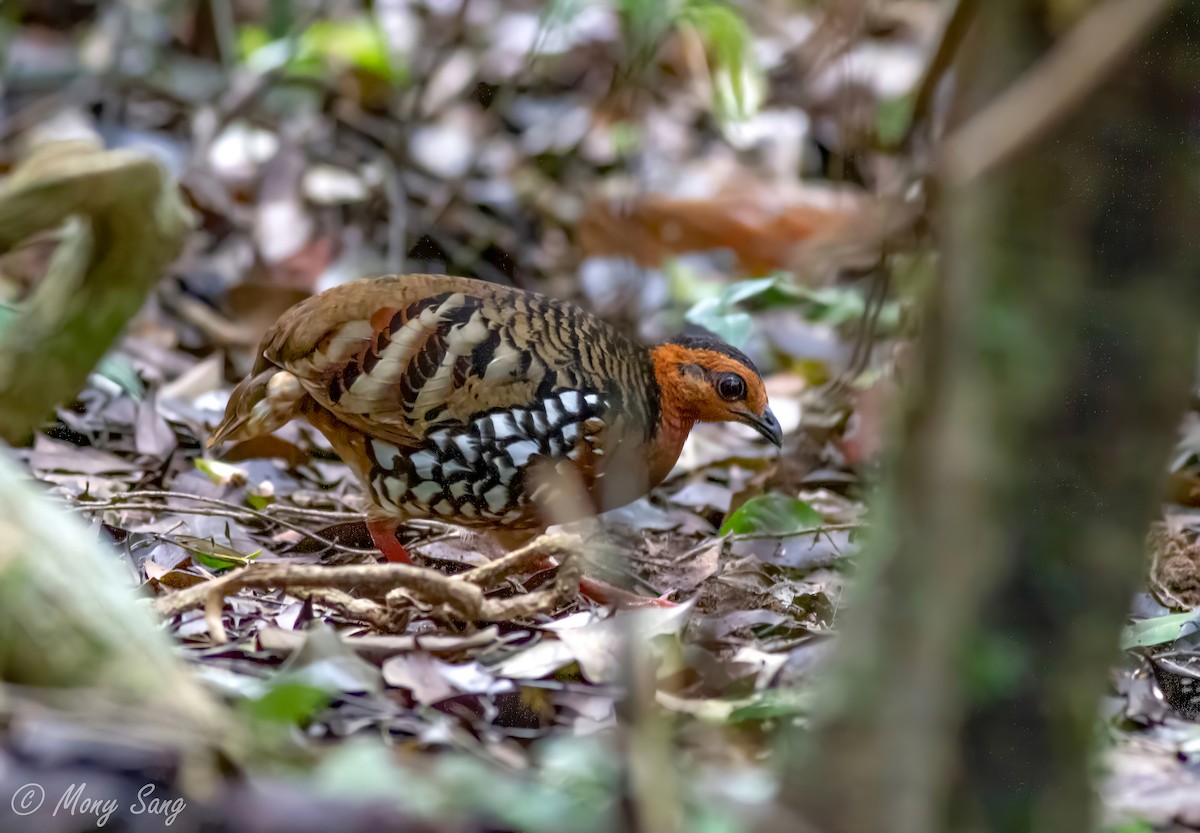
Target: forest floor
[{"x": 558, "y": 152}]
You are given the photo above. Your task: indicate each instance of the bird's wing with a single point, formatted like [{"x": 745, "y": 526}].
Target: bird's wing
[{"x": 400, "y": 356}]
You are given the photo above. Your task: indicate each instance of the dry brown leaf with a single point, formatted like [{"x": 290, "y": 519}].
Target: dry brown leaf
[{"x": 764, "y": 230}]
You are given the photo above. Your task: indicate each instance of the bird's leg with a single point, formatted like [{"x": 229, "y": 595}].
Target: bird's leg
[
  {"x": 604, "y": 593},
  {"x": 598, "y": 591},
  {"x": 383, "y": 533}
]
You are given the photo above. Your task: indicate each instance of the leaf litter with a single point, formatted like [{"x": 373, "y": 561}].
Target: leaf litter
[{"x": 316, "y": 162}]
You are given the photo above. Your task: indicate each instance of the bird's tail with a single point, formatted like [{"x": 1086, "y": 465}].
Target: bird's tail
[{"x": 259, "y": 405}]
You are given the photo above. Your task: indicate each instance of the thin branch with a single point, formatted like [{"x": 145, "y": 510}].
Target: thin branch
[
  {"x": 953, "y": 35},
  {"x": 1047, "y": 93},
  {"x": 224, "y": 509},
  {"x": 727, "y": 540}
]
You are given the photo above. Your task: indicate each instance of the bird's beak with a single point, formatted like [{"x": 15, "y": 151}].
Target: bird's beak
[{"x": 767, "y": 425}]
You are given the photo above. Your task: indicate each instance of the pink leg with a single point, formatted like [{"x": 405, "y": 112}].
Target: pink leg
[
  {"x": 604, "y": 593},
  {"x": 383, "y": 533}
]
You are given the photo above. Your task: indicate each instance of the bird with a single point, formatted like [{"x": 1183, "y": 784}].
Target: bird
[{"x": 486, "y": 406}]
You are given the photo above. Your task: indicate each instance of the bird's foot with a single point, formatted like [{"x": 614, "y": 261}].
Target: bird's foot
[
  {"x": 383, "y": 533},
  {"x": 604, "y": 593}
]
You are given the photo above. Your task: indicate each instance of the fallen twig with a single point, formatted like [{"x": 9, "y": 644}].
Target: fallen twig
[
  {"x": 729, "y": 539},
  {"x": 460, "y": 596},
  {"x": 138, "y": 501}
]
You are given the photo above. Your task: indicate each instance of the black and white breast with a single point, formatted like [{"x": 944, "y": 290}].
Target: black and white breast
[{"x": 479, "y": 473}]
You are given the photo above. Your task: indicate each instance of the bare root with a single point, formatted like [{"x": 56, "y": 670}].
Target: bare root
[{"x": 399, "y": 586}]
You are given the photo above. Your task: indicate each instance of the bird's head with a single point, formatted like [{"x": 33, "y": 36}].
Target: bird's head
[{"x": 703, "y": 379}]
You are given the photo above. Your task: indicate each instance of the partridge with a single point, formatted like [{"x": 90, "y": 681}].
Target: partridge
[{"x": 485, "y": 406}]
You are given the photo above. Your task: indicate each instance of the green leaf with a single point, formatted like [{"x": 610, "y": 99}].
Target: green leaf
[
  {"x": 730, "y": 325},
  {"x": 357, "y": 42},
  {"x": 289, "y": 702},
  {"x": 737, "y": 80},
  {"x": 212, "y": 555},
  {"x": 772, "y": 513},
  {"x": 773, "y": 703},
  {"x": 259, "y": 502},
  {"x": 1132, "y": 827},
  {"x": 643, "y": 24},
  {"x": 892, "y": 118},
  {"x": 119, "y": 370},
  {"x": 745, "y": 290},
  {"x": 626, "y": 137},
  {"x": 834, "y": 305},
  {"x": 718, "y": 314},
  {"x": 251, "y": 39},
  {"x": 1156, "y": 631},
  {"x": 219, "y": 472}
]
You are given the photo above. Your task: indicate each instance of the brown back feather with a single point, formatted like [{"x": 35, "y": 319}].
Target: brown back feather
[{"x": 400, "y": 355}]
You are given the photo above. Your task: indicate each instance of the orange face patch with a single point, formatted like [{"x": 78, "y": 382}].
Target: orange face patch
[{"x": 685, "y": 376}]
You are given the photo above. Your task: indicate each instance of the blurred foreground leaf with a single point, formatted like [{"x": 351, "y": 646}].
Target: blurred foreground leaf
[
  {"x": 122, "y": 221},
  {"x": 288, "y": 702},
  {"x": 773, "y": 703},
  {"x": 70, "y": 619}
]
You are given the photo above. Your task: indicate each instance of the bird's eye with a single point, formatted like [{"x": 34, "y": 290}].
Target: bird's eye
[{"x": 731, "y": 387}]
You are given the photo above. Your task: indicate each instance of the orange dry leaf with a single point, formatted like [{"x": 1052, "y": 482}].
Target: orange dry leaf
[{"x": 764, "y": 232}]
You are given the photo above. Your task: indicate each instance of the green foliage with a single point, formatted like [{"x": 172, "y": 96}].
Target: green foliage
[
  {"x": 576, "y": 795},
  {"x": 627, "y": 138},
  {"x": 323, "y": 47},
  {"x": 773, "y": 703},
  {"x": 718, "y": 314},
  {"x": 643, "y": 24},
  {"x": 1133, "y": 827},
  {"x": 716, "y": 310},
  {"x": 217, "y": 471},
  {"x": 834, "y": 305},
  {"x": 212, "y": 555},
  {"x": 892, "y": 119},
  {"x": 258, "y": 502},
  {"x": 1157, "y": 631},
  {"x": 572, "y": 789},
  {"x": 120, "y": 371},
  {"x": 772, "y": 513},
  {"x": 288, "y": 702},
  {"x": 737, "y": 80}
]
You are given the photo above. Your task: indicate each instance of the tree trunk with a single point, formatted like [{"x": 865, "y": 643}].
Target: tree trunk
[{"x": 1055, "y": 368}]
